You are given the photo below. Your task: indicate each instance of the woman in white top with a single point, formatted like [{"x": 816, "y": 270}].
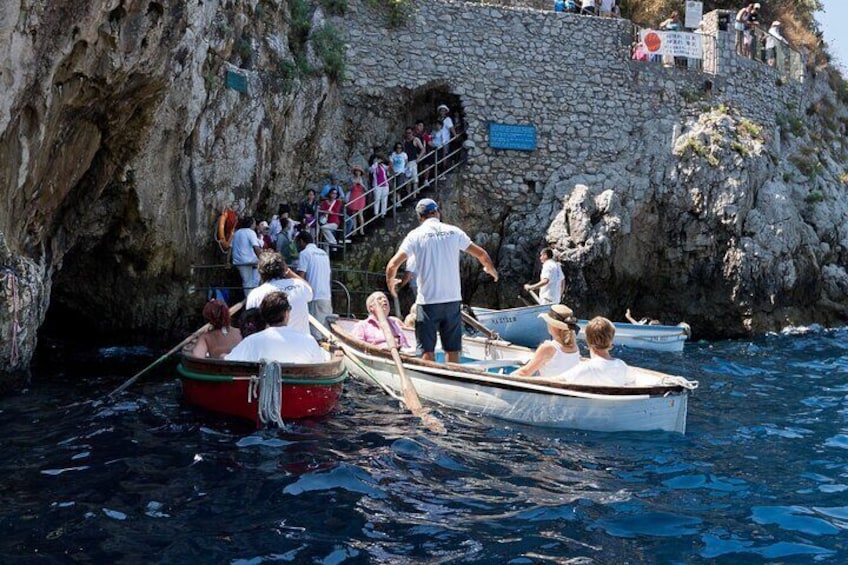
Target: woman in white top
[{"x": 557, "y": 355}]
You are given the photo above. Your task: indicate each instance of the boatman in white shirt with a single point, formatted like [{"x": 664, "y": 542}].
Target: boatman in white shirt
[
  {"x": 551, "y": 283},
  {"x": 277, "y": 276},
  {"x": 313, "y": 264},
  {"x": 436, "y": 247},
  {"x": 278, "y": 342}
]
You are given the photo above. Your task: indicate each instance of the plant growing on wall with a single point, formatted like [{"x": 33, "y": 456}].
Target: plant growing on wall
[
  {"x": 331, "y": 49},
  {"x": 397, "y": 11}
]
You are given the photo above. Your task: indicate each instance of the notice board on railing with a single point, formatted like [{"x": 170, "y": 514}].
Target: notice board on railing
[{"x": 512, "y": 136}]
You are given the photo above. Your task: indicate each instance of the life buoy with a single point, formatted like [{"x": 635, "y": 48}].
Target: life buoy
[{"x": 226, "y": 229}]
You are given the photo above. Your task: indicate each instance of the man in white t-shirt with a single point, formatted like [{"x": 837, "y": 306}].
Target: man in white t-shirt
[
  {"x": 436, "y": 247},
  {"x": 246, "y": 249},
  {"x": 278, "y": 342},
  {"x": 551, "y": 281},
  {"x": 313, "y": 264},
  {"x": 601, "y": 369},
  {"x": 276, "y": 276}
]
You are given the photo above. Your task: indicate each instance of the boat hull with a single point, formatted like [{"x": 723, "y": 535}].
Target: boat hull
[
  {"x": 524, "y": 327},
  {"x": 528, "y": 400},
  {"x": 224, "y": 387}
]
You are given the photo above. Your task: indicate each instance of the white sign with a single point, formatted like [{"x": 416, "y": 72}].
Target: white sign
[
  {"x": 694, "y": 13},
  {"x": 673, "y": 43}
]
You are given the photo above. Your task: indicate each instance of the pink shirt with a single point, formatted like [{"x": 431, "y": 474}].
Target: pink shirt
[{"x": 368, "y": 330}]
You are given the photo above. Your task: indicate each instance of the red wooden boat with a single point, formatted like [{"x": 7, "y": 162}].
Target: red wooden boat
[{"x": 233, "y": 387}]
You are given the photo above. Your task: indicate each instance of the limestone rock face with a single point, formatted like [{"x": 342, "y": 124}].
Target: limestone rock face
[
  {"x": 120, "y": 142},
  {"x": 727, "y": 233}
]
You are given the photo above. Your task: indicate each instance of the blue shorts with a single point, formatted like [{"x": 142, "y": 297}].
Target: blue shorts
[{"x": 446, "y": 318}]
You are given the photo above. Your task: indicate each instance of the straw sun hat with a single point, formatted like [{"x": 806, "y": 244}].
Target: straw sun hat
[{"x": 561, "y": 316}]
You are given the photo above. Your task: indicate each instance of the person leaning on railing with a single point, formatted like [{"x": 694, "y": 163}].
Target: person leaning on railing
[{"x": 773, "y": 38}]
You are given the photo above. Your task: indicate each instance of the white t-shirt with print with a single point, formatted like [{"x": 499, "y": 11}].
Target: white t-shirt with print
[
  {"x": 314, "y": 263},
  {"x": 436, "y": 248},
  {"x": 299, "y": 295}
]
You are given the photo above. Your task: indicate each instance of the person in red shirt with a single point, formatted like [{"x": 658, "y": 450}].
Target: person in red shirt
[{"x": 330, "y": 216}]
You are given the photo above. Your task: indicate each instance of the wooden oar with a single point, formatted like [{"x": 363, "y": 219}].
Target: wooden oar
[
  {"x": 176, "y": 348},
  {"x": 396, "y": 301},
  {"x": 477, "y": 325},
  {"x": 535, "y": 296},
  {"x": 410, "y": 395}
]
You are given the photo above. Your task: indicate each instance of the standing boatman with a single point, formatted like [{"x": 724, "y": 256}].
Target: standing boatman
[
  {"x": 551, "y": 281},
  {"x": 436, "y": 247}
]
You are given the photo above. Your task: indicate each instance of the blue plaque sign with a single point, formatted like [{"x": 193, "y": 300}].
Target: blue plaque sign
[
  {"x": 511, "y": 136},
  {"x": 236, "y": 81}
]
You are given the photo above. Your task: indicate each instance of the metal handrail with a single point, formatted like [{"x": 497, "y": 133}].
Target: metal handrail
[{"x": 347, "y": 294}]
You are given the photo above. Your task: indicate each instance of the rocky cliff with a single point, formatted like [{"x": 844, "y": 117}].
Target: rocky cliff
[{"x": 125, "y": 126}]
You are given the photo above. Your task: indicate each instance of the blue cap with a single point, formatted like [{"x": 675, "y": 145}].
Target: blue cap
[{"x": 426, "y": 206}]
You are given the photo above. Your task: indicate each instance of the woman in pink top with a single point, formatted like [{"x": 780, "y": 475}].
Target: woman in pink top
[
  {"x": 368, "y": 330},
  {"x": 380, "y": 184}
]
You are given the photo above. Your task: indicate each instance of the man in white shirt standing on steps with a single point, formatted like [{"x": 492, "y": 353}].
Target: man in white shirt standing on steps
[
  {"x": 313, "y": 264},
  {"x": 436, "y": 247},
  {"x": 246, "y": 250},
  {"x": 551, "y": 281}
]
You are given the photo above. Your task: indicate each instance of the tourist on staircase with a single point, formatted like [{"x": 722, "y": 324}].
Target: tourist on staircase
[
  {"x": 413, "y": 147},
  {"x": 398, "y": 160},
  {"x": 246, "y": 249},
  {"x": 330, "y": 213},
  {"x": 307, "y": 212},
  {"x": 380, "y": 184},
  {"x": 356, "y": 200}
]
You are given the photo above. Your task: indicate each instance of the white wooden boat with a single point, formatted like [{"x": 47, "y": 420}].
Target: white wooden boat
[
  {"x": 481, "y": 384},
  {"x": 524, "y": 327}
]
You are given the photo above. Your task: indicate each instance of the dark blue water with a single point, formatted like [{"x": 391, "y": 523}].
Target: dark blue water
[{"x": 761, "y": 476}]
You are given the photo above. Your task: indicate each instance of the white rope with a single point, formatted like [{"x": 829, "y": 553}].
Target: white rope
[
  {"x": 252, "y": 387},
  {"x": 271, "y": 394},
  {"x": 679, "y": 381}
]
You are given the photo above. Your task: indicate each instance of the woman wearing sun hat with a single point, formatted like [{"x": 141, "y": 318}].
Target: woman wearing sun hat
[{"x": 557, "y": 355}]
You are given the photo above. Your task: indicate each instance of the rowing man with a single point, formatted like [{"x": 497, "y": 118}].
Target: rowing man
[
  {"x": 551, "y": 281},
  {"x": 436, "y": 247}
]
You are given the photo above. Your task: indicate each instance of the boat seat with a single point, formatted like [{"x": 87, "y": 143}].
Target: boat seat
[{"x": 491, "y": 363}]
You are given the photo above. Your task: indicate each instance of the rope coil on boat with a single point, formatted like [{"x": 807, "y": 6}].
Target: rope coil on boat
[
  {"x": 679, "y": 381},
  {"x": 271, "y": 394}
]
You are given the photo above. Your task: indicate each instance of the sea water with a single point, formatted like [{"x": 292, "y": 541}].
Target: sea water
[{"x": 760, "y": 477}]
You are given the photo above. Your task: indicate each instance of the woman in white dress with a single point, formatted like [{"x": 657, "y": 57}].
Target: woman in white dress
[{"x": 555, "y": 356}]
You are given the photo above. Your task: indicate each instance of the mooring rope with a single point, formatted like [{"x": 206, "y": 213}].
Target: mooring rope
[
  {"x": 271, "y": 394},
  {"x": 679, "y": 381}
]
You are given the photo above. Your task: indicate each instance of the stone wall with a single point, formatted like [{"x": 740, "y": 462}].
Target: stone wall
[{"x": 614, "y": 150}]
